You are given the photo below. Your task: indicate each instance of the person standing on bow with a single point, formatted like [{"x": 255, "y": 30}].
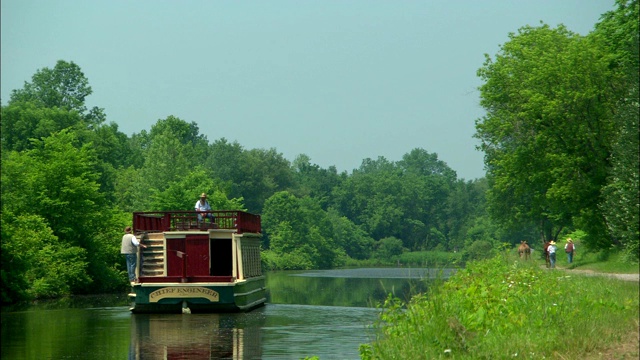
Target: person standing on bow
[{"x": 129, "y": 249}]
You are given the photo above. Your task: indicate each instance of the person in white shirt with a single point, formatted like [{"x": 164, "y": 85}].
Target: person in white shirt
[
  {"x": 202, "y": 206},
  {"x": 552, "y": 253},
  {"x": 129, "y": 249}
]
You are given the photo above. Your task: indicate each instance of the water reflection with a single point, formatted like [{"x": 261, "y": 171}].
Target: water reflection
[
  {"x": 309, "y": 313},
  {"x": 381, "y": 273},
  {"x": 274, "y": 332},
  {"x": 196, "y": 336},
  {"x": 329, "y": 332},
  {"x": 348, "y": 287}
]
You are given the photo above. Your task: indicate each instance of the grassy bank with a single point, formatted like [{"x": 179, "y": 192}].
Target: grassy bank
[
  {"x": 602, "y": 261},
  {"x": 503, "y": 308}
]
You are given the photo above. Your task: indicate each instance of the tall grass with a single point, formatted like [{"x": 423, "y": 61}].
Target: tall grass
[
  {"x": 501, "y": 308},
  {"x": 604, "y": 261}
]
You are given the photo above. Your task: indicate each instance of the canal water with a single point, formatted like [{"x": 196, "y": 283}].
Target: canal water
[{"x": 325, "y": 313}]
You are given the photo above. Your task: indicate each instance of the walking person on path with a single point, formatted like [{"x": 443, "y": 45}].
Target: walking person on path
[
  {"x": 569, "y": 248},
  {"x": 129, "y": 249},
  {"x": 545, "y": 249},
  {"x": 552, "y": 254}
]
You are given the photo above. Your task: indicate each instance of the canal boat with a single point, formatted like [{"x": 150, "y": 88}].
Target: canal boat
[{"x": 190, "y": 265}]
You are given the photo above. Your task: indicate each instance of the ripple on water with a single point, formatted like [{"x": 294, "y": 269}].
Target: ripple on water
[{"x": 330, "y": 332}]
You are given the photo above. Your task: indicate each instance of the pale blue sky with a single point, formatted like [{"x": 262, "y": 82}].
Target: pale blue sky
[{"x": 340, "y": 81}]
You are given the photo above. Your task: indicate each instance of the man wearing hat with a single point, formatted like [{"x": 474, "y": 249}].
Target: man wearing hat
[
  {"x": 569, "y": 248},
  {"x": 202, "y": 206},
  {"x": 552, "y": 253},
  {"x": 129, "y": 249}
]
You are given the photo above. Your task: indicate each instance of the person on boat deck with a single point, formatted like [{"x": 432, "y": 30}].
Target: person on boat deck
[
  {"x": 129, "y": 249},
  {"x": 203, "y": 205}
]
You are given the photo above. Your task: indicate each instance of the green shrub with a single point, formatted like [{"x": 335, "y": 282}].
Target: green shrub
[
  {"x": 432, "y": 259},
  {"x": 296, "y": 260},
  {"x": 479, "y": 249},
  {"x": 497, "y": 308}
]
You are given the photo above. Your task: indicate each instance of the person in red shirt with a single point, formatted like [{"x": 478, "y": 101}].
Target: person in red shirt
[{"x": 569, "y": 248}]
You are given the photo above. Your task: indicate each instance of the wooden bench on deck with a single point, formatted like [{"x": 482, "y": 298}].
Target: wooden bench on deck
[{"x": 190, "y": 222}]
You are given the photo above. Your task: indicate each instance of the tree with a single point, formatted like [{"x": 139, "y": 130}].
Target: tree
[
  {"x": 49, "y": 267},
  {"x": 404, "y": 200},
  {"x": 172, "y": 149},
  {"x": 14, "y": 262},
  {"x": 548, "y": 130},
  {"x": 63, "y": 87},
  {"x": 299, "y": 233},
  {"x": 311, "y": 180},
  {"x": 356, "y": 243},
  {"x": 24, "y": 121},
  {"x": 388, "y": 247},
  {"x": 283, "y": 207},
  {"x": 465, "y": 203},
  {"x": 254, "y": 175},
  {"x": 183, "y": 193},
  {"x": 56, "y": 180},
  {"x": 618, "y": 31},
  {"x": 54, "y": 186}
]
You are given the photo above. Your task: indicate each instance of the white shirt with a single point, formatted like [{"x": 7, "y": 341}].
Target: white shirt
[{"x": 203, "y": 207}]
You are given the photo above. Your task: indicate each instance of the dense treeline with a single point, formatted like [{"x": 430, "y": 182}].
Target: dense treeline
[
  {"x": 71, "y": 181},
  {"x": 560, "y": 135},
  {"x": 560, "y": 139}
]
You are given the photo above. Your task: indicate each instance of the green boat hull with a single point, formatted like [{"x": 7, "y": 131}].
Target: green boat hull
[{"x": 244, "y": 295}]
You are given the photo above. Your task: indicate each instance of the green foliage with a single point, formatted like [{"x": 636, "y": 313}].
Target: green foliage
[
  {"x": 356, "y": 242},
  {"x": 431, "y": 259},
  {"x": 183, "y": 194},
  {"x": 560, "y": 136},
  {"x": 619, "y": 31},
  {"x": 14, "y": 261},
  {"x": 496, "y": 308},
  {"x": 129, "y": 190},
  {"x": 64, "y": 86},
  {"x": 312, "y": 181},
  {"x": 254, "y": 175},
  {"x": 528, "y": 116},
  {"x": 405, "y": 200},
  {"x": 294, "y": 234},
  {"x": 479, "y": 249},
  {"x": 51, "y": 268},
  {"x": 388, "y": 248},
  {"x": 166, "y": 161},
  {"x": 295, "y": 260},
  {"x": 24, "y": 121},
  {"x": 56, "y": 181},
  {"x": 560, "y": 141},
  {"x": 608, "y": 261}
]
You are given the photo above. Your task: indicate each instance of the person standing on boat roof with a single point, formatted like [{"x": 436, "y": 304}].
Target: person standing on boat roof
[
  {"x": 129, "y": 249},
  {"x": 202, "y": 205}
]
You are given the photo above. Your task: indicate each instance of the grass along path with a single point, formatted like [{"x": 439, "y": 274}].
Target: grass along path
[{"x": 503, "y": 308}]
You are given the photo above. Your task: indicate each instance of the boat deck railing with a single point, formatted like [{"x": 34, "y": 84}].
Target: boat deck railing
[{"x": 160, "y": 221}]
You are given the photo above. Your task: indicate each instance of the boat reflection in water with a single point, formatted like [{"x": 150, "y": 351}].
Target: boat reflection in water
[{"x": 196, "y": 336}]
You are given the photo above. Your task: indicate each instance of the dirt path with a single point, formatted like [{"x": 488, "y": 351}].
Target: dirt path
[{"x": 626, "y": 277}]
